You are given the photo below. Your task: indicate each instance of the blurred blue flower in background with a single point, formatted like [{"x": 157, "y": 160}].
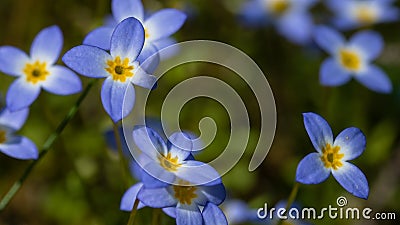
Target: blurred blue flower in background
[
  {"x": 332, "y": 156},
  {"x": 290, "y": 17},
  {"x": 37, "y": 71},
  {"x": 120, "y": 67},
  {"x": 350, "y": 14},
  {"x": 15, "y": 146},
  {"x": 158, "y": 27},
  {"x": 352, "y": 59},
  {"x": 238, "y": 212}
]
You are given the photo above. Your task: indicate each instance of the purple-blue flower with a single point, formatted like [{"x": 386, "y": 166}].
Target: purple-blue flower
[
  {"x": 120, "y": 67},
  {"x": 332, "y": 156},
  {"x": 164, "y": 163},
  {"x": 13, "y": 145},
  {"x": 37, "y": 71},
  {"x": 290, "y": 17},
  {"x": 158, "y": 27},
  {"x": 350, "y": 14},
  {"x": 183, "y": 201},
  {"x": 238, "y": 212},
  {"x": 352, "y": 58}
]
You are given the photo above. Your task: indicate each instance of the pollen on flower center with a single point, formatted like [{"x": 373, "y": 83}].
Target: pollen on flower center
[
  {"x": 350, "y": 59},
  {"x": 331, "y": 157},
  {"x": 2, "y": 136},
  {"x": 36, "y": 72},
  {"x": 185, "y": 194},
  {"x": 169, "y": 163},
  {"x": 365, "y": 14},
  {"x": 278, "y": 7},
  {"x": 146, "y": 34},
  {"x": 119, "y": 69}
]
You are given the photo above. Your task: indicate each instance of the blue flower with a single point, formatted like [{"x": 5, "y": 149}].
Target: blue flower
[
  {"x": 37, "y": 70},
  {"x": 352, "y": 59},
  {"x": 15, "y": 146},
  {"x": 120, "y": 67},
  {"x": 352, "y": 14},
  {"x": 183, "y": 202},
  {"x": 158, "y": 27},
  {"x": 332, "y": 156},
  {"x": 290, "y": 17},
  {"x": 238, "y": 212},
  {"x": 164, "y": 163}
]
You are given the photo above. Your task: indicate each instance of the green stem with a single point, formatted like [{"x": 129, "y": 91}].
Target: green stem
[
  {"x": 291, "y": 199},
  {"x": 131, "y": 220},
  {"x": 124, "y": 165},
  {"x": 156, "y": 217},
  {"x": 46, "y": 147}
]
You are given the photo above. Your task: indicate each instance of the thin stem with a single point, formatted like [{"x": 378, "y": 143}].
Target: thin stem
[
  {"x": 291, "y": 199},
  {"x": 124, "y": 165},
  {"x": 156, "y": 217},
  {"x": 46, "y": 147},
  {"x": 131, "y": 220}
]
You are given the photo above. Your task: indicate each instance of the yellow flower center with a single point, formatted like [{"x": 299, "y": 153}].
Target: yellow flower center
[
  {"x": 146, "y": 34},
  {"x": 331, "y": 157},
  {"x": 185, "y": 194},
  {"x": 169, "y": 163},
  {"x": 278, "y": 7},
  {"x": 119, "y": 69},
  {"x": 365, "y": 14},
  {"x": 350, "y": 59},
  {"x": 36, "y": 72},
  {"x": 2, "y": 136}
]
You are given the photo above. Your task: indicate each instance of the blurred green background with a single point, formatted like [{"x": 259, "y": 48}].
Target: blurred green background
[{"x": 81, "y": 182}]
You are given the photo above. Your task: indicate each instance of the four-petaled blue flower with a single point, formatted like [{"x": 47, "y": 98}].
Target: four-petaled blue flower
[
  {"x": 352, "y": 59},
  {"x": 15, "y": 146},
  {"x": 164, "y": 163},
  {"x": 120, "y": 67},
  {"x": 158, "y": 27},
  {"x": 332, "y": 156},
  {"x": 291, "y": 17},
  {"x": 37, "y": 70},
  {"x": 183, "y": 201},
  {"x": 350, "y": 14}
]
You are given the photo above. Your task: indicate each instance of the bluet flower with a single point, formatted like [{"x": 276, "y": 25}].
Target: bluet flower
[
  {"x": 120, "y": 67},
  {"x": 352, "y": 58},
  {"x": 332, "y": 156},
  {"x": 15, "y": 146},
  {"x": 37, "y": 71},
  {"x": 351, "y": 14}
]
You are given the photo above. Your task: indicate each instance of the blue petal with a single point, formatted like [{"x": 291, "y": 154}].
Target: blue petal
[
  {"x": 170, "y": 211},
  {"x": 213, "y": 215},
  {"x": 375, "y": 79},
  {"x": 21, "y": 94},
  {"x": 122, "y": 9},
  {"x": 369, "y": 42},
  {"x": 157, "y": 197},
  {"x": 166, "y": 50},
  {"x": 351, "y": 142},
  {"x": 352, "y": 179},
  {"x": 311, "y": 170},
  {"x": 318, "y": 130},
  {"x": 333, "y": 74},
  {"x": 180, "y": 145},
  {"x": 390, "y": 14},
  {"x": 118, "y": 98},
  {"x": 197, "y": 173},
  {"x": 62, "y": 81},
  {"x": 296, "y": 27},
  {"x": 129, "y": 197},
  {"x": 143, "y": 79},
  {"x": 253, "y": 13},
  {"x": 188, "y": 215},
  {"x": 215, "y": 194},
  {"x": 155, "y": 176},
  {"x": 149, "y": 142},
  {"x": 47, "y": 45},
  {"x": 12, "y": 60},
  {"x": 14, "y": 119},
  {"x": 149, "y": 58},
  {"x": 23, "y": 149},
  {"x": 128, "y": 39},
  {"x": 164, "y": 23},
  {"x": 100, "y": 37},
  {"x": 88, "y": 60},
  {"x": 328, "y": 39}
]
